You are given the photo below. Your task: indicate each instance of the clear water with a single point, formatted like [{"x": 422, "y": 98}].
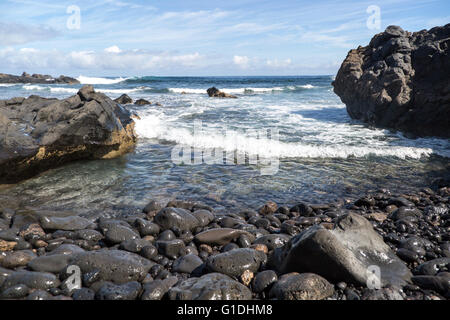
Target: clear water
[{"x": 323, "y": 154}]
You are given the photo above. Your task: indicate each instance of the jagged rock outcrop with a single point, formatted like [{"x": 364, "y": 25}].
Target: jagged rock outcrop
[
  {"x": 37, "y": 134},
  {"x": 36, "y": 78},
  {"x": 400, "y": 81},
  {"x": 216, "y": 93}
]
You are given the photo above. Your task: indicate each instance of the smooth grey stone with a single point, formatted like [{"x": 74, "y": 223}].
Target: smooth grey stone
[
  {"x": 212, "y": 286},
  {"x": 304, "y": 286},
  {"x": 52, "y": 263},
  {"x": 157, "y": 289},
  {"x": 71, "y": 223},
  {"x": 273, "y": 241},
  {"x": 342, "y": 254},
  {"x": 187, "y": 263},
  {"x": 113, "y": 265},
  {"x": 126, "y": 291},
  {"x": 32, "y": 279},
  {"x": 83, "y": 294},
  {"x": 235, "y": 262},
  {"x": 171, "y": 249},
  {"x": 263, "y": 280}
]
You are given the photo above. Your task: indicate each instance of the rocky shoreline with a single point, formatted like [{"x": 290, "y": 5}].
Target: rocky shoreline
[
  {"x": 36, "y": 78},
  {"x": 184, "y": 251}
]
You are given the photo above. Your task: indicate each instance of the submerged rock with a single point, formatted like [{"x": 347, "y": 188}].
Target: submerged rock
[
  {"x": 124, "y": 99},
  {"x": 37, "y": 134},
  {"x": 216, "y": 93},
  {"x": 400, "y": 81},
  {"x": 142, "y": 102}
]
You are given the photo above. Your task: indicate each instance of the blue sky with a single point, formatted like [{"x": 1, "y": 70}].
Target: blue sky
[{"x": 164, "y": 37}]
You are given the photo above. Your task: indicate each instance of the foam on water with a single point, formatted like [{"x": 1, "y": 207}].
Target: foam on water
[
  {"x": 246, "y": 90},
  {"x": 94, "y": 80},
  {"x": 154, "y": 127}
]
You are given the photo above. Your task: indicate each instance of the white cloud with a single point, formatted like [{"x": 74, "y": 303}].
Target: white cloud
[
  {"x": 113, "y": 49},
  {"x": 241, "y": 61},
  {"x": 108, "y": 59},
  {"x": 14, "y": 33},
  {"x": 275, "y": 63}
]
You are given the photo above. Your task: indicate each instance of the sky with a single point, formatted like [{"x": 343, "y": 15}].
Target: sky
[{"x": 197, "y": 37}]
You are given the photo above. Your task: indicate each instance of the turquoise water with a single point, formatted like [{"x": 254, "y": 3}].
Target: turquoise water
[{"x": 320, "y": 154}]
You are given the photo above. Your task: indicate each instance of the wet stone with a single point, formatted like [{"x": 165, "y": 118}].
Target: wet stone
[
  {"x": 235, "y": 262},
  {"x": 304, "y": 286},
  {"x": 126, "y": 291},
  {"x": 263, "y": 280},
  {"x": 187, "y": 263},
  {"x": 119, "y": 233},
  {"x": 213, "y": 286},
  {"x": 70, "y": 223},
  {"x": 171, "y": 249}
]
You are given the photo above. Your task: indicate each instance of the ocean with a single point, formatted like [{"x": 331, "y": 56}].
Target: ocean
[{"x": 320, "y": 154}]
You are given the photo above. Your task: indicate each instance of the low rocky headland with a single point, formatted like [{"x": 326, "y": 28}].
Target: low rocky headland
[
  {"x": 36, "y": 78},
  {"x": 400, "y": 81},
  {"x": 37, "y": 134},
  {"x": 183, "y": 250}
]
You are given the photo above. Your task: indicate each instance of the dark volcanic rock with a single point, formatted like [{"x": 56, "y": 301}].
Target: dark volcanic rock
[
  {"x": 263, "y": 280},
  {"x": 273, "y": 241},
  {"x": 220, "y": 236},
  {"x": 70, "y": 223},
  {"x": 124, "y": 99},
  {"x": 33, "y": 280},
  {"x": 156, "y": 290},
  {"x": 213, "y": 286},
  {"x": 342, "y": 254},
  {"x": 304, "y": 286},
  {"x": 216, "y": 93},
  {"x": 235, "y": 262},
  {"x": 179, "y": 218},
  {"x": 36, "y": 78},
  {"x": 171, "y": 249},
  {"x": 187, "y": 263},
  {"x": 142, "y": 102},
  {"x": 126, "y": 291},
  {"x": 113, "y": 265},
  {"x": 118, "y": 233},
  {"x": 51, "y": 263},
  {"x": 400, "y": 81},
  {"x": 37, "y": 134}
]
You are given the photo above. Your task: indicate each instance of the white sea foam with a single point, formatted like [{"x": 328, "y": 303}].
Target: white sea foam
[
  {"x": 34, "y": 87},
  {"x": 8, "y": 84},
  {"x": 94, "y": 80},
  {"x": 154, "y": 127},
  {"x": 242, "y": 90}
]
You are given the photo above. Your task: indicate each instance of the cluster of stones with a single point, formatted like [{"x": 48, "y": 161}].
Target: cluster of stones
[{"x": 184, "y": 251}]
